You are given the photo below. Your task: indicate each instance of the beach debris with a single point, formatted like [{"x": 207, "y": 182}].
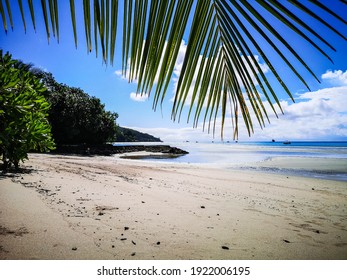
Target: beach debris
[
  {"x": 313, "y": 189},
  {"x": 143, "y": 202},
  {"x": 74, "y": 248},
  {"x": 112, "y": 246},
  {"x": 285, "y": 240},
  {"x": 133, "y": 254},
  {"x": 202, "y": 206},
  {"x": 317, "y": 231},
  {"x": 17, "y": 232},
  {"x": 126, "y": 228},
  {"x": 123, "y": 239},
  {"x": 158, "y": 243},
  {"x": 132, "y": 241},
  {"x": 225, "y": 247}
]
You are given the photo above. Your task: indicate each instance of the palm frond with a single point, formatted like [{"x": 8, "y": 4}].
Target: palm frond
[
  {"x": 221, "y": 74},
  {"x": 73, "y": 20},
  {"x": 45, "y": 16},
  {"x": 3, "y": 16},
  {"x": 222, "y": 33},
  {"x": 20, "y": 3},
  {"x": 8, "y": 6},
  {"x": 32, "y": 13}
]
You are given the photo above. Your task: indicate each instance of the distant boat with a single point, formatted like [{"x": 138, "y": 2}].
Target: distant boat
[
  {"x": 273, "y": 140},
  {"x": 287, "y": 142}
]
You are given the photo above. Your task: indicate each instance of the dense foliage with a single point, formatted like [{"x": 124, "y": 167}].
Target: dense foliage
[
  {"x": 23, "y": 113},
  {"x": 78, "y": 118},
  {"x": 35, "y": 109},
  {"x": 75, "y": 116}
]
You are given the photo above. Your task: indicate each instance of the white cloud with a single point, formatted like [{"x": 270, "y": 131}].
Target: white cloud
[
  {"x": 319, "y": 115},
  {"x": 139, "y": 97},
  {"x": 177, "y": 134},
  {"x": 263, "y": 66},
  {"x": 134, "y": 78},
  {"x": 316, "y": 115},
  {"x": 118, "y": 73},
  {"x": 336, "y": 77}
]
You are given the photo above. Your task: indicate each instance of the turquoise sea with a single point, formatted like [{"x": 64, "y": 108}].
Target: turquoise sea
[
  {"x": 244, "y": 152},
  {"x": 231, "y": 154}
]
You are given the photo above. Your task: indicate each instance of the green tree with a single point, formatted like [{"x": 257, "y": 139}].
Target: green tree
[
  {"x": 225, "y": 38},
  {"x": 23, "y": 113},
  {"x": 75, "y": 116}
]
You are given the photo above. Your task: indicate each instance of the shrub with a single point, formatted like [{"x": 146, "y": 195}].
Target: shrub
[{"x": 23, "y": 113}]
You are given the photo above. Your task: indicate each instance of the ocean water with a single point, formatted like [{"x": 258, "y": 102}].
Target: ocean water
[
  {"x": 232, "y": 154},
  {"x": 248, "y": 152}
]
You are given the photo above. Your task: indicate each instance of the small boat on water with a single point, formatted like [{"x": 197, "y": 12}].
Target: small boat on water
[{"x": 287, "y": 142}]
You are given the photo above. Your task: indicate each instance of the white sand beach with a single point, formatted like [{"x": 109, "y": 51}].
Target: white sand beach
[{"x": 71, "y": 207}]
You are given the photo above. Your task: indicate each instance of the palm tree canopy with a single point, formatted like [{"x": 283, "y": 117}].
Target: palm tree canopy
[{"x": 220, "y": 74}]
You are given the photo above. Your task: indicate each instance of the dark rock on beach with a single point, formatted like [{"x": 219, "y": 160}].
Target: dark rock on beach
[{"x": 109, "y": 149}]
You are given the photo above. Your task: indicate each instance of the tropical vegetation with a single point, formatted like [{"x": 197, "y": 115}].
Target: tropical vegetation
[
  {"x": 78, "y": 118},
  {"x": 23, "y": 113},
  {"x": 75, "y": 116},
  {"x": 37, "y": 114},
  {"x": 221, "y": 72}
]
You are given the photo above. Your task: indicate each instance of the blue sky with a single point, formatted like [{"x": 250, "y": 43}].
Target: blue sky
[{"x": 317, "y": 115}]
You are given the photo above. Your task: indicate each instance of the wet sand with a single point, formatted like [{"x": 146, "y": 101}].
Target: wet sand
[{"x": 70, "y": 207}]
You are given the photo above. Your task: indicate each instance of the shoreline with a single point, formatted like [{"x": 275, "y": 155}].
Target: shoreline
[
  {"x": 310, "y": 167},
  {"x": 73, "y": 207},
  {"x": 325, "y": 168},
  {"x": 110, "y": 149}
]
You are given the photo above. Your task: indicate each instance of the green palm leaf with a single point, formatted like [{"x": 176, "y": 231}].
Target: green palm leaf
[
  {"x": 73, "y": 20},
  {"x": 221, "y": 74}
]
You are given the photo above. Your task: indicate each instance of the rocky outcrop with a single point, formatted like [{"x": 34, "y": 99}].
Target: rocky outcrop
[{"x": 108, "y": 149}]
